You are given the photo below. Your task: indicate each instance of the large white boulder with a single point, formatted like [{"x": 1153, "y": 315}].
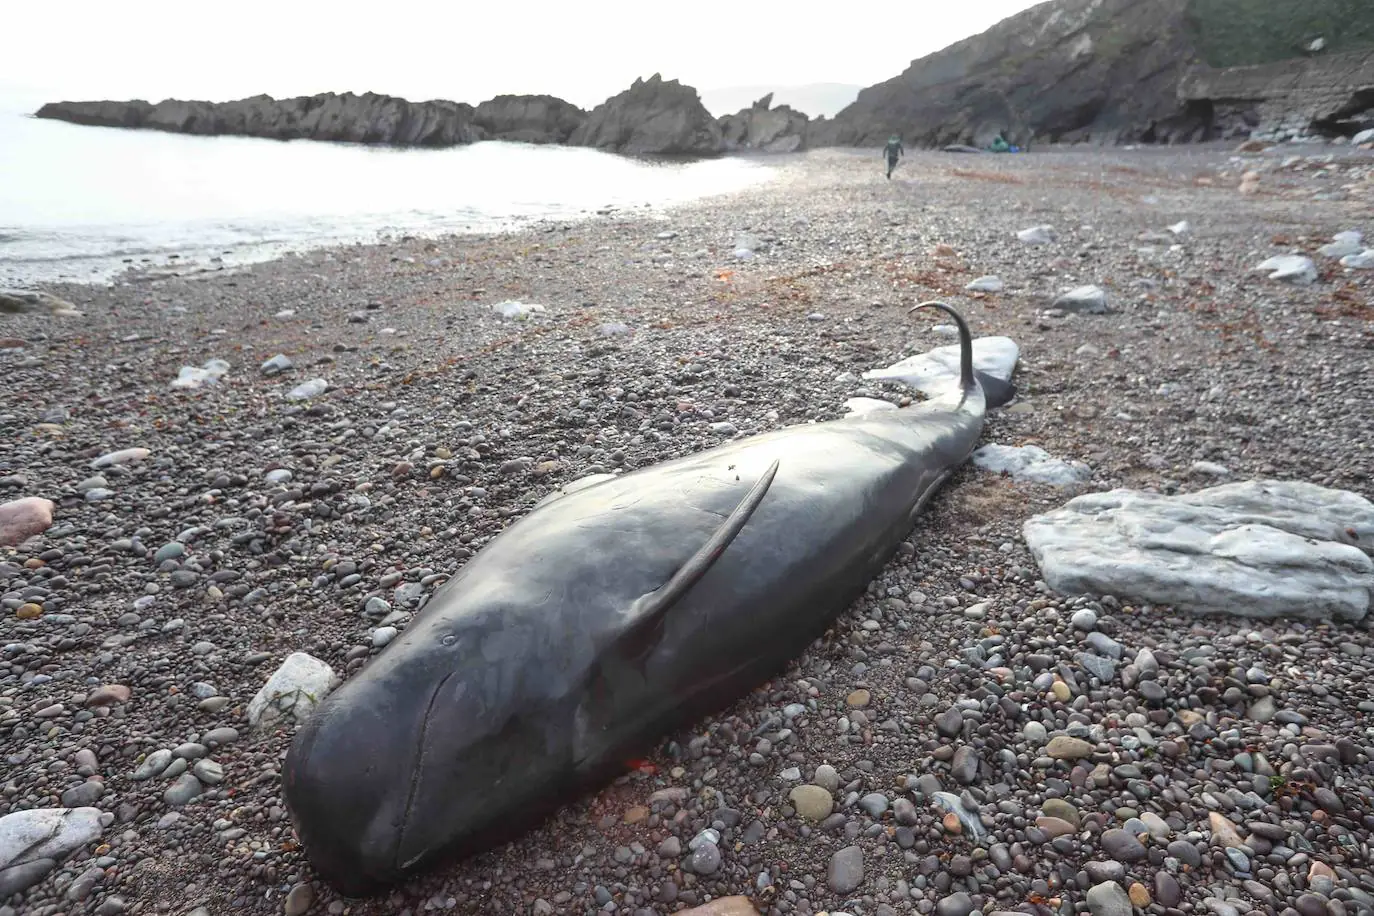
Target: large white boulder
[
  {"x": 934, "y": 371},
  {"x": 1342, "y": 244},
  {"x": 1030, "y": 462},
  {"x": 1259, "y": 548},
  {"x": 1088, "y": 300},
  {"x": 294, "y": 690},
  {"x": 1293, "y": 268},
  {"x": 1362, "y": 261},
  {"x": 46, "y": 833}
]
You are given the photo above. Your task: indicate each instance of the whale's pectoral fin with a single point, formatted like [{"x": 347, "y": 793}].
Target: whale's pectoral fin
[{"x": 649, "y": 611}]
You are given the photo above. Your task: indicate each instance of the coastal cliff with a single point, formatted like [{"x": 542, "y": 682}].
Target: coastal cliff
[
  {"x": 1098, "y": 70},
  {"x": 1123, "y": 71}
]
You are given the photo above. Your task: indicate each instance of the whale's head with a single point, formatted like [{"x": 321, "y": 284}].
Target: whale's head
[{"x": 445, "y": 739}]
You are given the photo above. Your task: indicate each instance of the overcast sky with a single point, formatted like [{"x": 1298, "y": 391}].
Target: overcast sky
[{"x": 461, "y": 49}]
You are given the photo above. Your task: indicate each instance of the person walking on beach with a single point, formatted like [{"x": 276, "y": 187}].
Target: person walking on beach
[{"x": 893, "y": 150}]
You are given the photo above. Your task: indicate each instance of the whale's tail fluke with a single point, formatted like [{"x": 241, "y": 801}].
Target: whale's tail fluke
[{"x": 996, "y": 392}]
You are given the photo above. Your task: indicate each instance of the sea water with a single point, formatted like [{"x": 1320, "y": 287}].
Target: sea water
[{"x": 81, "y": 203}]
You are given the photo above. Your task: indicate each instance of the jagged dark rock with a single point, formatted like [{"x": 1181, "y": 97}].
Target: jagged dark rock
[
  {"x": 348, "y": 117},
  {"x": 764, "y": 128},
  {"x": 529, "y": 118},
  {"x": 653, "y": 116}
]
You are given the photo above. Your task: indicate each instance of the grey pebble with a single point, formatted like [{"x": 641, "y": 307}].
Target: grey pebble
[
  {"x": 112, "y": 906},
  {"x": 950, "y": 722},
  {"x": 705, "y": 859},
  {"x": 1109, "y": 899},
  {"x": 153, "y": 764},
  {"x": 965, "y": 766},
  {"x": 183, "y": 790},
  {"x": 875, "y": 803},
  {"x": 217, "y": 737},
  {"x": 208, "y": 772},
  {"x": 958, "y": 904},
  {"x": 1122, "y": 846},
  {"x": 84, "y": 795},
  {"x": 299, "y": 900},
  {"x": 846, "y": 870}
]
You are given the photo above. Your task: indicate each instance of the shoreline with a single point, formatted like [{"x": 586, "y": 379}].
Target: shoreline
[
  {"x": 48, "y": 254},
  {"x": 778, "y": 163},
  {"x": 443, "y": 421}
]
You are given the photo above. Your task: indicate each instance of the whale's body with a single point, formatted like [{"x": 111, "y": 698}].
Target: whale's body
[{"x": 612, "y": 614}]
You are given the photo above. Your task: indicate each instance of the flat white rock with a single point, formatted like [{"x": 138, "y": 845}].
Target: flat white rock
[
  {"x": 1294, "y": 268},
  {"x": 1030, "y": 462},
  {"x": 46, "y": 833},
  {"x": 123, "y": 456},
  {"x": 200, "y": 376},
  {"x": 1257, "y": 548},
  {"x": 1362, "y": 261},
  {"x": 1342, "y": 244},
  {"x": 934, "y": 371},
  {"x": 279, "y": 363},
  {"x": 307, "y": 390},
  {"x": 512, "y": 308},
  {"x": 1364, "y": 136},
  {"x": 1036, "y": 235},
  {"x": 295, "y": 689},
  {"x": 1090, "y": 299},
  {"x": 988, "y": 284}
]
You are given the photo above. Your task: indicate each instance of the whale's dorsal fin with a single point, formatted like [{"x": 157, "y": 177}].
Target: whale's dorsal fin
[{"x": 648, "y": 611}]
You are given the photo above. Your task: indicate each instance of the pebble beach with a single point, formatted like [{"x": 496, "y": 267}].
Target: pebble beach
[{"x": 352, "y": 423}]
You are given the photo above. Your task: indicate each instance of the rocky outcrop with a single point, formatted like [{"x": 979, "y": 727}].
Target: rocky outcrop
[
  {"x": 764, "y": 128},
  {"x": 652, "y": 117},
  {"x": 1097, "y": 70},
  {"x": 528, "y": 118},
  {"x": 348, "y": 117},
  {"x": 1333, "y": 94}
]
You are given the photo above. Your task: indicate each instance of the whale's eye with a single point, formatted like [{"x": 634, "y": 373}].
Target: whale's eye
[{"x": 449, "y": 640}]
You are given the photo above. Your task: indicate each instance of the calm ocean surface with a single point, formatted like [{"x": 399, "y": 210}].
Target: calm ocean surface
[{"x": 82, "y": 203}]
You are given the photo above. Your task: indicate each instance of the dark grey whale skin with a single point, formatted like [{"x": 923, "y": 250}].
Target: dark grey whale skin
[{"x": 527, "y": 679}]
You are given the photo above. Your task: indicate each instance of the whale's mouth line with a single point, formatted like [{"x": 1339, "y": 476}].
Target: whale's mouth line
[{"x": 416, "y": 773}]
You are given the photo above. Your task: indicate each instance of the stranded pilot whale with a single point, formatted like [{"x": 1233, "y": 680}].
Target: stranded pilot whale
[{"x": 612, "y": 614}]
